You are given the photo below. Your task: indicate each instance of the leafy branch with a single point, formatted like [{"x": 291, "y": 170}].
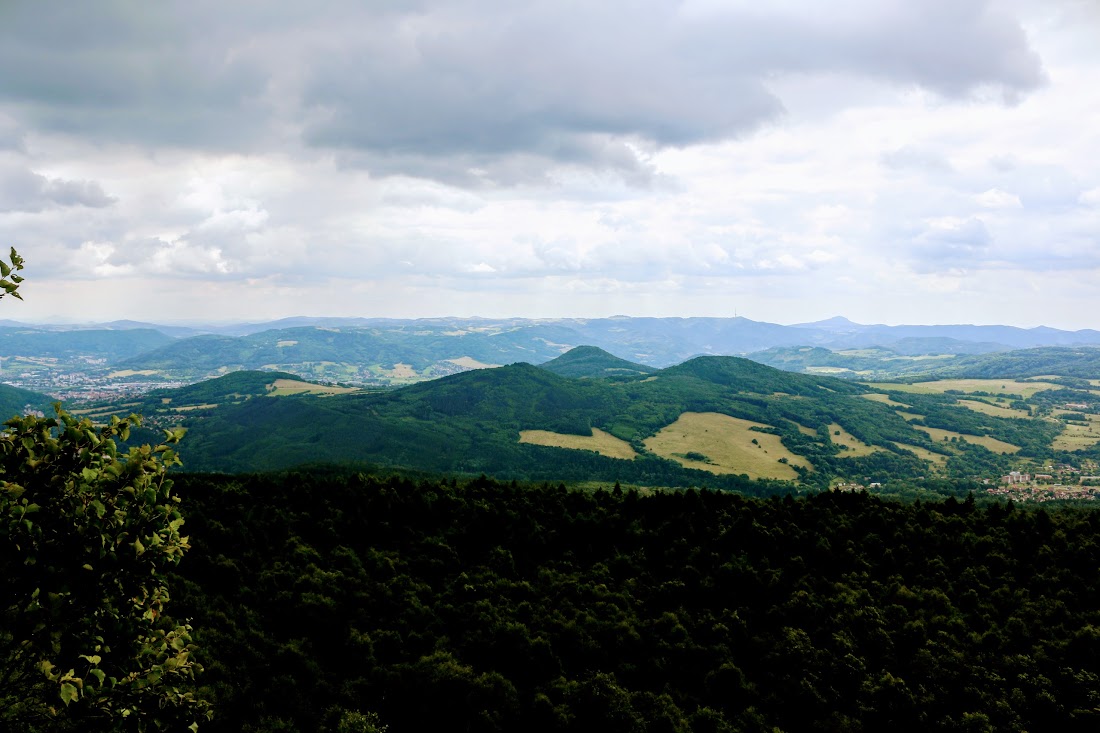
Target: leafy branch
[{"x": 9, "y": 280}]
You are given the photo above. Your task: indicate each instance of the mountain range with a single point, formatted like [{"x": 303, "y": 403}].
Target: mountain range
[{"x": 389, "y": 351}]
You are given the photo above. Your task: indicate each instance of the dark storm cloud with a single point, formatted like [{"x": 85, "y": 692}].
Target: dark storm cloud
[
  {"x": 542, "y": 77},
  {"x": 476, "y": 91},
  {"x": 147, "y": 73}
]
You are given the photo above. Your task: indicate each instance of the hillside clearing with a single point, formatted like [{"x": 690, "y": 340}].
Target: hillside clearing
[
  {"x": 969, "y": 386},
  {"x": 603, "y": 443},
  {"x": 282, "y": 387},
  {"x": 997, "y": 446},
  {"x": 854, "y": 447},
  {"x": 1076, "y": 437},
  {"x": 923, "y": 453},
  {"x": 471, "y": 363},
  {"x": 727, "y": 443},
  {"x": 995, "y": 410},
  {"x": 883, "y": 398}
]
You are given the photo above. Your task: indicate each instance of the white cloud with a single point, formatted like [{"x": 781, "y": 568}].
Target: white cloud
[
  {"x": 995, "y": 198},
  {"x": 545, "y": 158}
]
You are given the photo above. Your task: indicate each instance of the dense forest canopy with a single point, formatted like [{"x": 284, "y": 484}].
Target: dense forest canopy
[{"x": 487, "y": 606}]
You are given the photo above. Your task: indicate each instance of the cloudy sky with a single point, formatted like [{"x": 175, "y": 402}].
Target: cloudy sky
[{"x": 889, "y": 160}]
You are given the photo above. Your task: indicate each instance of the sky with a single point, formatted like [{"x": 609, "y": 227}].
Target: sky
[{"x": 887, "y": 160}]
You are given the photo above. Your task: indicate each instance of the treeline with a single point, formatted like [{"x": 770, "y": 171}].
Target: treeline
[{"x": 487, "y": 606}]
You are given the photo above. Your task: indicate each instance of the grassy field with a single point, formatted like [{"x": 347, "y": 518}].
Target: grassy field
[
  {"x": 855, "y": 446},
  {"x": 995, "y": 410},
  {"x": 997, "y": 446},
  {"x": 603, "y": 443},
  {"x": 992, "y": 386},
  {"x": 1075, "y": 437},
  {"x": 283, "y": 387},
  {"x": 924, "y": 453},
  {"x": 727, "y": 443},
  {"x": 884, "y": 399}
]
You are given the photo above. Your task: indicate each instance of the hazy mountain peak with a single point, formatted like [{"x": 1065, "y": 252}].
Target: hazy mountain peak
[{"x": 836, "y": 323}]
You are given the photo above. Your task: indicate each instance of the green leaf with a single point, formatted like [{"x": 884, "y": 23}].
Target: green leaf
[{"x": 69, "y": 693}]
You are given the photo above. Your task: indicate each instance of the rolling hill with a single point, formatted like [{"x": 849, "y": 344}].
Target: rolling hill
[
  {"x": 16, "y": 401},
  {"x": 711, "y": 420},
  {"x": 111, "y": 345},
  {"x": 592, "y": 361},
  {"x": 361, "y": 355}
]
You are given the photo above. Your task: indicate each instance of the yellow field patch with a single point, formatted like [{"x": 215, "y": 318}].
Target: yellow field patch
[
  {"x": 196, "y": 407},
  {"x": 603, "y": 443},
  {"x": 132, "y": 373},
  {"x": 909, "y": 416},
  {"x": 727, "y": 443},
  {"x": 806, "y": 431},
  {"x": 281, "y": 387},
  {"x": 991, "y": 386},
  {"x": 883, "y": 398},
  {"x": 923, "y": 453},
  {"x": 288, "y": 342},
  {"x": 995, "y": 410},
  {"x": 854, "y": 447},
  {"x": 402, "y": 371},
  {"x": 471, "y": 363},
  {"x": 997, "y": 446}
]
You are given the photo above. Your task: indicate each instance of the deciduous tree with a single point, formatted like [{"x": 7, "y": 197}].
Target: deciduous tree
[{"x": 87, "y": 533}]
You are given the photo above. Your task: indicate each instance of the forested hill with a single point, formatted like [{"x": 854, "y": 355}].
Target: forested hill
[
  {"x": 15, "y": 401},
  {"x": 233, "y": 386},
  {"x": 486, "y": 607},
  {"x": 936, "y": 360},
  {"x": 715, "y": 421},
  {"x": 419, "y": 349},
  {"x": 97, "y": 344},
  {"x": 592, "y": 361},
  {"x": 1078, "y": 361},
  {"x": 750, "y": 376}
]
